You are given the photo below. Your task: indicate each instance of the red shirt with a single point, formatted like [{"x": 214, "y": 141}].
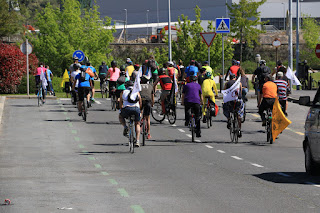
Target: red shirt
[
  {"x": 165, "y": 82},
  {"x": 234, "y": 69}
]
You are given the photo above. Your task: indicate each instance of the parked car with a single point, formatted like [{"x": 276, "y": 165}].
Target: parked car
[{"x": 311, "y": 143}]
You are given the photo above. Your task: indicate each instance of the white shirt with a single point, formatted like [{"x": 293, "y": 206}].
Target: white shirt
[
  {"x": 74, "y": 74},
  {"x": 126, "y": 103}
]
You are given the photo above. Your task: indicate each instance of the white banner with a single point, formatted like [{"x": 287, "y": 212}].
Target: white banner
[
  {"x": 140, "y": 71},
  {"x": 136, "y": 87},
  {"x": 175, "y": 83},
  {"x": 292, "y": 77},
  {"x": 149, "y": 74},
  {"x": 43, "y": 80},
  {"x": 232, "y": 93}
]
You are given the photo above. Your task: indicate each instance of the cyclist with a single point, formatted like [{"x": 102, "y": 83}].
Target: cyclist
[
  {"x": 154, "y": 67},
  {"x": 129, "y": 68},
  {"x": 234, "y": 69},
  {"x": 39, "y": 77},
  {"x": 103, "y": 70},
  {"x": 49, "y": 77},
  {"x": 202, "y": 75},
  {"x": 191, "y": 69},
  {"x": 261, "y": 72},
  {"x": 172, "y": 70},
  {"x": 229, "y": 106},
  {"x": 92, "y": 78},
  {"x": 269, "y": 93},
  {"x": 208, "y": 68},
  {"x": 84, "y": 85},
  {"x": 113, "y": 74},
  {"x": 283, "y": 88},
  {"x": 130, "y": 107},
  {"x": 74, "y": 73},
  {"x": 207, "y": 88},
  {"x": 182, "y": 69},
  {"x": 191, "y": 99},
  {"x": 135, "y": 72},
  {"x": 166, "y": 85},
  {"x": 120, "y": 87},
  {"x": 147, "y": 97},
  {"x": 245, "y": 85}
]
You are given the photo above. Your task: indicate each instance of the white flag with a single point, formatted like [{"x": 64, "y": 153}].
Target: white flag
[
  {"x": 149, "y": 73},
  {"x": 127, "y": 75},
  {"x": 292, "y": 77},
  {"x": 43, "y": 80},
  {"x": 136, "y": 87},
  {"x": 140, "y": 71},
  {"x": 175, "y": 82},
  {"x": 232, "y": 93}
]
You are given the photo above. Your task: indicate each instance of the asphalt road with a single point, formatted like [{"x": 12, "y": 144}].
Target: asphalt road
[{"x": 50, "y": 161}]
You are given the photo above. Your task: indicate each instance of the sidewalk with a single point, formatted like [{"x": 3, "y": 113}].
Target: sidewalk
[{"x": 29, "y": 97}]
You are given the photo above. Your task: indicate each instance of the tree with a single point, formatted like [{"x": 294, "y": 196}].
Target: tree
[
  {"x": 9, "y": 20},
  {"x": 63, "y": 32},
  {"x": 190, "y": 44},
  {"x": 13, "y": 67},
  {"x": 311, "y": 35},
  {"x": 244, "y": 21}
]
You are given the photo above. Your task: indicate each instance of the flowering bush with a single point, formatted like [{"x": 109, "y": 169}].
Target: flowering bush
[{"x": 13, "y": 67}]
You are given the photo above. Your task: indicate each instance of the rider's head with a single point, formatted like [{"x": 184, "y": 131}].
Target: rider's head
[
  {"x": 76, "y": 66},
  {"x": 279, "y": 75},
  {"x": 279, "y": 63},
  {"x": 161, "y": 71},
  {"x": 113, "y": 63},
  {"x": 75, "y": 58},
  {"x": 234, "y": 62},
  {"x": 238, "y": 63},
  {"x": 192, "y": 62},
  {"x": 88, "y": 63},
  {"x": 122, "y": 68},
  {"x": 103, "y": 63},
  {"x": 203, "y": 70},
  {"x": 208, "y": 75},
  {"x": 263, "y": 62},
  {"x": 206, "y": 63},
  {"x": 193, "y": 78},
  {"x": 232, "y": 76},
  {"x": 136, "y": 67},
  {"x": 170, "y": 64},
  {"x": 268, "y": 78}
]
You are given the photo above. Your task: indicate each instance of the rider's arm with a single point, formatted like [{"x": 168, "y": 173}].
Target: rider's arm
[
  {"x": 121, "y": 101},
  {"x": 74, "y": 85},
  {"x": 140, "y": 101},
  {"x": 155, "y": 84},
  {"x": 152, "y": 99},
  {"x": 252, "y": 79},
  {"x": 182, "y": 99}
]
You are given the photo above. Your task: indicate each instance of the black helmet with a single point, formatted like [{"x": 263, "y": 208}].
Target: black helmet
[
  {"x": 88, "y": 63},
  {"x": 193, "y": 78},
  {"x": 113, "y": 63},
  {"x": 263, "y": 62},
  {"x": 161, "y": 71},
  {"x": 75, "y": 58},
  {"x": 129, "y": 84},
  {"x": 76, "y": 66}
]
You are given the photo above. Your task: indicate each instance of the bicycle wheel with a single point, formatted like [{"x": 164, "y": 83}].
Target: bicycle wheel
[
  {"x": 243, "y": 119},
  {"x": 236, "y": 129},
  {"x": 172, "y": 116},
  {"x": 144, "y": 131},
  {"x": 193, "y": 123},
  {"x": 232, "y": 127},
  {"x": 156, "y": 112},
  {"x": 39, "y": 98},
  {"x": 208, "y": 117},
  {"x": 269, "y": 132},
  {"x": 131, "y": 137},
  {"x": 84, "y": 109},
  {"x": 113, "y": 102}
]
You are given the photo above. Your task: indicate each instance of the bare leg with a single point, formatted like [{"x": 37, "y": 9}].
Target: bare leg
[{"x": 137, "y": 124}]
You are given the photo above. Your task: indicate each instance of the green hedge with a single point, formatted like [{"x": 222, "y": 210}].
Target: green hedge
[{"x": 22, "y": 88}]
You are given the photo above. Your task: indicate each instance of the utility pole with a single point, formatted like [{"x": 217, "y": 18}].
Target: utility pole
[
  {"x": 169, "y": 32},
  {"x": 290, "y": 59},
  {"x": 297, "y": 37}
]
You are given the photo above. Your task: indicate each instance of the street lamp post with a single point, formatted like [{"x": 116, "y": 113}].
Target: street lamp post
[
  {"x": 125, "y": 26},
  {"x": 258, "y": 59},
  {"x": 148, "y": 25},
  {"x": 169, "y": 32}
]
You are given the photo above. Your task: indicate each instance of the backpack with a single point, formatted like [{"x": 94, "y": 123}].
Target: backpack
[
  {"x": 264, "y": 72},
  {"x": 129, "y": 98},
  {"x": 83, "y": 75},
  {"x": 152, "y": 65}
]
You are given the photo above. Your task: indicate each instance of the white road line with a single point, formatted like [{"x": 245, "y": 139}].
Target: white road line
[
  {"x": 221, "y": 151},
  {"x": 197, "y": 141},
  {"x": 256, "y": 165},
  {"x": 179, "y": 103},
  {"x": 98, "y": 102},
  {"x": 283, "y": 174},
  {"x": 313, "y": 184},
  {"x": 181, "y": 130},
  {"x": 236, "y": 157},
  {"x": 208, "y": 146},
  {"x": 189, "y": 135},
  {"x": 65, "y": 99},
  {"x": 173, "y": 125}
]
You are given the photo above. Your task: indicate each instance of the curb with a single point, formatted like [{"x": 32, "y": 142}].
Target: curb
[
  {"x": 2, "y": 101},
  {"x": 29, "y": 97}
]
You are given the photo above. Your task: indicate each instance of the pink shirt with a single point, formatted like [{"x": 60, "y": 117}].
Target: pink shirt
[
  {"x": 38, "y": 72},
  {"x": 114, "y": 73}
]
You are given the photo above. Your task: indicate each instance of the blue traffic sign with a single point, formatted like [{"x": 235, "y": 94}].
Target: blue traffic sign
[
  {"x": 79, "y": 54},
  {"x": 223, "y": 25}
]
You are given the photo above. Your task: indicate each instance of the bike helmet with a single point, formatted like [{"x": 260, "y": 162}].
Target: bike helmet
[
  {"x": 161, "y": 71},
  {"x": 208, "y": 75},
  {"x": 75, "y": 58},
  {"x": 113, "y": 63},
  {"x": 234, "y": 62},
  {"x": 136, "y": 66},
  {"x": 129, "y": 84},
  {"x": 263, "y": 62},
  {"x": 76, "y": 66},
  {"x": 193, "y": 78}
]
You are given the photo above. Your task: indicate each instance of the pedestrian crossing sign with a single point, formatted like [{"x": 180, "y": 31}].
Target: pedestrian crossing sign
[{"x": 223, "y": 25}]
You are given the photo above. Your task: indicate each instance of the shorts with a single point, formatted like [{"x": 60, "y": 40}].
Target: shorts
[
  {"x": 112, "y": 84},
  {"x": 146, "y": 107},
  {"x": 230, "y": 106},
  {"x": 92, "y": 83},
  {"x": 128, "y": 111},
  {"x": 83, "y": 92},
  {"x": 164, "y": 94},
  {"x": 118, "y": 92}
]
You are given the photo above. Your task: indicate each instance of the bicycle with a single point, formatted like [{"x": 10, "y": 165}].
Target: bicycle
[
  {"x": 84, "y": 110},
  {"x": 180, "y": 88},
  {"x": 208, "y": 111},
  {"x": 144, "y": 131},
  {"x": 103, "y": 87},
  {"x": 234, "y": 128},
  {"x": 192, "y": 125},
  {"x": 113, "y": 99},
  {"x": 269, "y": 125},
  {"x": 39, "y": 95},
  {"x": 132, "y": 133},
  {"x": 170, "y": 111}
]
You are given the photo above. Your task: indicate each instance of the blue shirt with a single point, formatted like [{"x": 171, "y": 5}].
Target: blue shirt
[
  {"x": 93, "y": 70},
  {"x": 190, "y": 69},
  {"x": 85, "y": 83},
  {"x": 49, "y": 75}
]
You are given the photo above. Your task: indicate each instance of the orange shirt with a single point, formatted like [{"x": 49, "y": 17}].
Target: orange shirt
[{"x": 269, "y": 90}]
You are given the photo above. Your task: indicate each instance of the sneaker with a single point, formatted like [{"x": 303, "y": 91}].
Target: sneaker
[
  {"x": 264, "y": 123},
  {"x": 198, "y": 134},
  {"x": 92, "y": 99},
  {"x": 240, "y": 134},
  {"x": 149, "y": 136},
  {"x": 137, "y": 144},
  {"x": 204, "y": 119},
  {"x": 79, "y": 113},
  {"x": 125, "y": 131}
]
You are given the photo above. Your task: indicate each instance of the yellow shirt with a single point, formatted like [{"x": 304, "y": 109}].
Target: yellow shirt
[
  {"x": 130, "y": 69},
  {"x": 207, "y": 86}
]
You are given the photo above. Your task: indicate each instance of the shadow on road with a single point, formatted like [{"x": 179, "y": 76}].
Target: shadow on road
[{"x": 289, "y": 178}]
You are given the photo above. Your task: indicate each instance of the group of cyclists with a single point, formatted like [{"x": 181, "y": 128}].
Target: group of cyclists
[
  {"x": 196, "y": 86},
  {"x": 43, "y": 79}
]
